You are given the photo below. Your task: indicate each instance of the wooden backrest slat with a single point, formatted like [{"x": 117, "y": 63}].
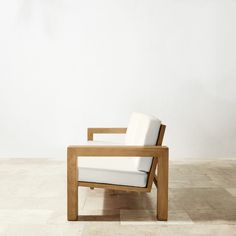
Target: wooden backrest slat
[
  {"x": 161, "y": 135},
  {"x": 151, "y": 173}
]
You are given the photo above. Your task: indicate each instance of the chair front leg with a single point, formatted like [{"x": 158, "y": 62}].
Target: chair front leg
[
  {"x": 162, "y": 191},
  {"x": 72, "y": 186}
]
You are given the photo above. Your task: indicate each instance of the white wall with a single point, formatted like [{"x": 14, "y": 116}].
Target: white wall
[{"x": 67, "y": 65}]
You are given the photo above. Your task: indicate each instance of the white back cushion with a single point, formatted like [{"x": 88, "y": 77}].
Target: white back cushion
[{"x": 142, "y": 130}]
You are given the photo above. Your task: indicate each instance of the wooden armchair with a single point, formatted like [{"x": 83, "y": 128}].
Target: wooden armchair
[{"x": 129, "y": 167}]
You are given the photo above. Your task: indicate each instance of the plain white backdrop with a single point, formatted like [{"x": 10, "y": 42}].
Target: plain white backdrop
[{"x": 68, "y": 65}]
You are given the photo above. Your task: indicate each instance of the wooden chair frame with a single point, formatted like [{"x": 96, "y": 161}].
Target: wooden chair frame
[{"x": 160, "y": 163}]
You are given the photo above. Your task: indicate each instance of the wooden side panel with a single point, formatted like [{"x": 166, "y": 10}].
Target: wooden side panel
[{"x": 160, "y": 160}]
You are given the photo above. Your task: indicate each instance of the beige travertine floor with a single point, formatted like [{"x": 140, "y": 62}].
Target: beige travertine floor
[{"x": 202, "y": 201}]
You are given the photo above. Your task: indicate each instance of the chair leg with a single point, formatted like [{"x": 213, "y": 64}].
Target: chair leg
[
  {"x": 72, "y": 187},
  {"x": 162, "y": 191}
]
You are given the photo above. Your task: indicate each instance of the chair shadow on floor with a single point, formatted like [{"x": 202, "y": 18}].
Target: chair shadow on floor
[
  {"x": 126, "y": 206},
  {"x": 189, "y": 205}
]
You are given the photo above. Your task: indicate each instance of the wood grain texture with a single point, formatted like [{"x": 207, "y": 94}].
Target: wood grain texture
[
  {"x": 162, "y": 192},
  {"x": 72, "y": 186},
  {"x": 112, "y": 186},
  {"x": 161, "y": 135},
  {"x": 151, "y": 173},
  {"x": 155, "y": 181},
  {"x": 96, "y": 151},
  {"x": 92, "y": 131}
]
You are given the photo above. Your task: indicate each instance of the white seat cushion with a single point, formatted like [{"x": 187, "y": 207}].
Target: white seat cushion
[
  {"x": 142, "y": 130},
  {"x": 111, "y": 170}
]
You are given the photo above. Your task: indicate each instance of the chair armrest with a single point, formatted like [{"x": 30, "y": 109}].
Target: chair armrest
[
  {"x": 92, "y": 131},
  {"x": 140, "y": 151}
]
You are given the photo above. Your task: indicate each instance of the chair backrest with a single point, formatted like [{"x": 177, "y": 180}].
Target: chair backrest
[{"x": 143, "y": 130}]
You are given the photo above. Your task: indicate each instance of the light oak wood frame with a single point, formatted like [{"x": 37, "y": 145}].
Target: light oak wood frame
[
  {"x": 92, "y": 131},
  {"x": 160, "y": 161}
]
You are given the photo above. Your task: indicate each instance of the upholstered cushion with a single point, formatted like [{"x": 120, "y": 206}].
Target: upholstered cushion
[
  {"x": 142, "y": 130},
  {"x": 111, "y": 170},
  {"x": 130, "y": 171}
]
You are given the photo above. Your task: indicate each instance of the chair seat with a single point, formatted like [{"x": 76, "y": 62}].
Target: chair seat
[{"x": 111, "y": 170}]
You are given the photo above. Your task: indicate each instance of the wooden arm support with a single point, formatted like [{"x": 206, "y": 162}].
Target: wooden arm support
[
  {"x": 140, "y": 151},
  {"x": 92, "y": 131}
]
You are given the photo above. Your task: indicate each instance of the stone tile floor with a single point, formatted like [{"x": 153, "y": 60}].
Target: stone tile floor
[{"x": 202, "y": 201}]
